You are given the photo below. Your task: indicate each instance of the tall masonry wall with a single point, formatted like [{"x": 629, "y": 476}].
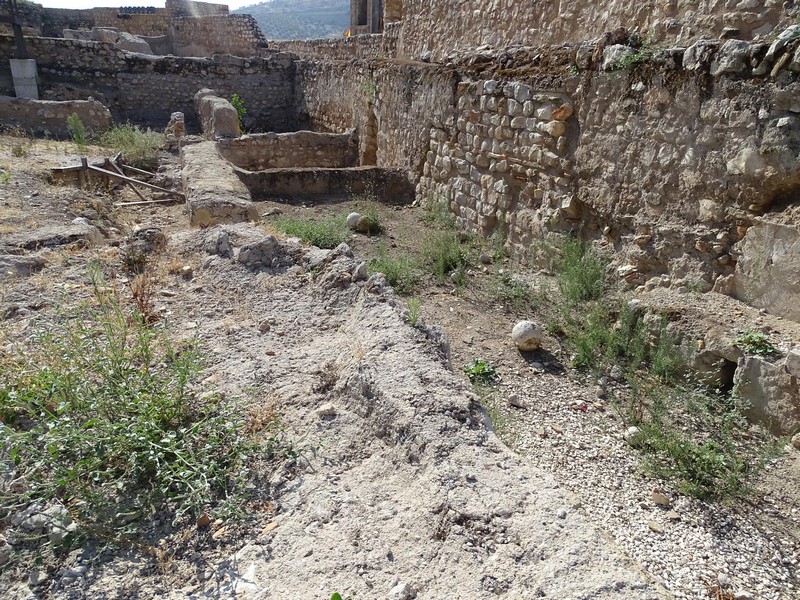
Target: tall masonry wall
[
  {"x": 669, "y": 161},
  {"x": 434, "y": 30},
  {"x": 148, "y": 89}
]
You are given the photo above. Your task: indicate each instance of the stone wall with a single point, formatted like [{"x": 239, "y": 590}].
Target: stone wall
[
  {"x": 388, "y": 186},
  {"x": 390, "y": 106},
  {"x": 55, "y": 20},
  {"x": 437, "y": 28},
  {"x": 667, "y": 160},
  {"x": 47, "y": 117},
  {"x": 361, "y": 46},
  {"x": 238, "y": 35},
  {"x": 148, "y": 89},
  {"x": 298, "y": 149},
  {"x": 193, "y": 28},
  {"x": 420, "y": 29},
  {"x": 503, "y": 152}
]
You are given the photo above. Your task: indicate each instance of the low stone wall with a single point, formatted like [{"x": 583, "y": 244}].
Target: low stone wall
[
  {"x": 214, "y": 193},
  {"x": 48, "y": 117},
  {"x": 390, "y": 186},
  {"x": 147, "y": 89},
  {"x": 346, "y": 48},
  {"x": 285, "y": 150}
]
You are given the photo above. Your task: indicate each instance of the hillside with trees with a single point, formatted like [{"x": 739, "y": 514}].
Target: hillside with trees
[{"x": 300, "y": 19}]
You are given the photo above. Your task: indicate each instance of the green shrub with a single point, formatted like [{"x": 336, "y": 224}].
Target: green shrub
[
  {"x": 437, "y": 213},
  {"x": 443, "y": 254},
  {"x": 756, "y": 343},
  {"x": 100, "y": 415},
  {"x": 400, "y": 270},
  {"x": 238, "y": 105},
  {"x": 139, "y": 147},
  {"x": 327, "y": 233},
  {"x": 414, "y": 312},
  {"x": 480, "y": 372},
  {"x": 511, "y": 293},
  {"x": 600, "y": 337},
  {"x": 695, "y": 439},
  {"x": 581, "y": 272},
  {"x": 78, "y": 131},
  {"x": 373, "y": 222}
]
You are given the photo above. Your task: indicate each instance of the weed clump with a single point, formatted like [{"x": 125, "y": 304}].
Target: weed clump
[
  {"x": 100, "y": 415},
  {"x": 693, "y": 437},
  {"x": 581, "y": 272},
  {"x": 443, "y": 254},
  {"x": 480, "y": 372},
  {"x": 400, "y": 270},
  {"x": 78, "y": 131},
  {"x": 327, "y": 233},
  {"x": 241, "y": 110},
  {"x": 756, "y": 343},
  {"x": 139, "y": 147}
]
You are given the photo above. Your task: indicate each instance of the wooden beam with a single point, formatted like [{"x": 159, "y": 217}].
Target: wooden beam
[
  {"x": 135, "y": 170},
  {"x": 110, "y": 164},
  {"x": 134, "y": 181},
  {"x": 162, "y": 201}
]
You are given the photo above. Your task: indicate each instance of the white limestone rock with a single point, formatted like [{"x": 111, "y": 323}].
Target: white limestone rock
[
  {"x": 527, "y": 336},
  {"x": 353, "y": 219}
]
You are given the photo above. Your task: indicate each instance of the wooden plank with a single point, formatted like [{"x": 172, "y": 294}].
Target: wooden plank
[
  {"x": 134, "y": 181},
  {"x": 113, "y": 165},
  {"x": 162, "y": 201},
  {"x": 135, "y": 170}
]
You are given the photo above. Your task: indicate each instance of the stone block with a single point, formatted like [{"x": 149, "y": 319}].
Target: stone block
[{"x": 766, "y": 272}]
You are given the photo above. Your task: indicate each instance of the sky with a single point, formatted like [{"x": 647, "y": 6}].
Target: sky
[{"x": 232, "y": 4}]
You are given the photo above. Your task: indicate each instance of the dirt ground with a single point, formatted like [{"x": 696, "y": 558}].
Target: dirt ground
[{"x": 557, "y": 422}]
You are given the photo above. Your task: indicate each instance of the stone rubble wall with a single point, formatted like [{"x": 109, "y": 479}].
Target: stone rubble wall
[
  {"x": 297, "y": 149},
  {"x": 389, "y": 105},
  {"x": 346, "y": 48},
  {"x": 437, "y": 28},
  {"x": 501, "y": 153},
  {"x": 194, "y": 28},
  {"x": 148, "y": 89},
  {"x": 238, "y": 35},
  {"x": 666, "y": 161},
  {"x": 435, "y": 31},
  {"x": 48, "y": 117}
]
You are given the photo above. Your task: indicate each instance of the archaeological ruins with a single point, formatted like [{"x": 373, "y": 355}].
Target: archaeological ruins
[{"x": 665, "y": 134}]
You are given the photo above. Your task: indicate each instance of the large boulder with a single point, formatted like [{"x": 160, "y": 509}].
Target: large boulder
[{"x": 772, "y": 389}]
